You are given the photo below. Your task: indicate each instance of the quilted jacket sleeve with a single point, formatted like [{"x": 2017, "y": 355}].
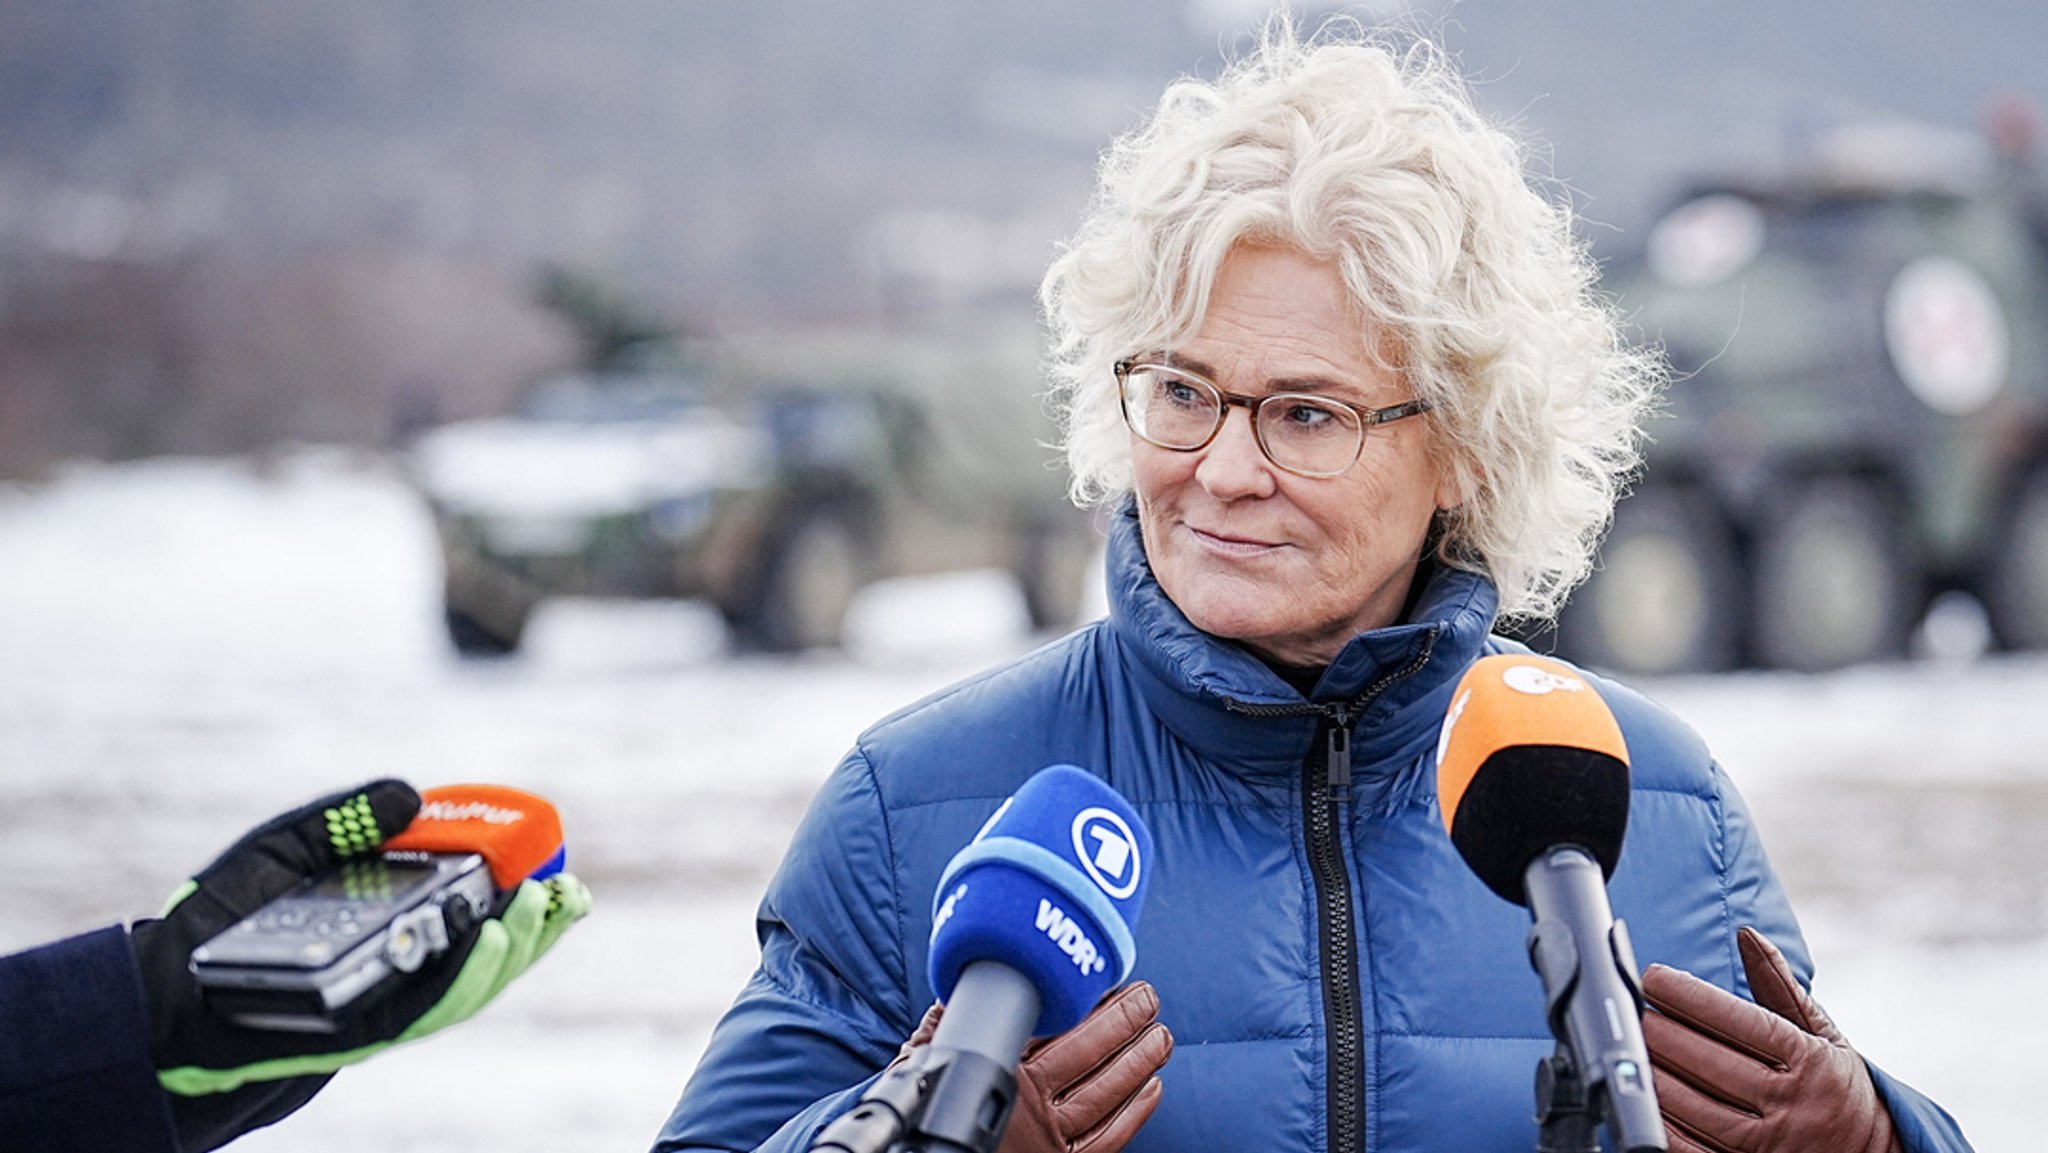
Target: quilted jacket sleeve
[
  {"x": 1756, "y": 899},
  {"x": 827, "y": 1008},
  {"x": 75, "y": 1069}
]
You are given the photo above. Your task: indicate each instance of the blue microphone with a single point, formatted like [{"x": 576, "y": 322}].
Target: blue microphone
[
  {"x": 1049, "y": 889},
  {"x": 1031, "y": 927}
]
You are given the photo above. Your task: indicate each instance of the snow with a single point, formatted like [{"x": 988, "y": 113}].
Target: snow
[{"x": 188, "y": 647}]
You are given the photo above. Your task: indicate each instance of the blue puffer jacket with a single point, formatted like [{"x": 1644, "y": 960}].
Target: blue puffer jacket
[{"x": 1271, "y": 889}]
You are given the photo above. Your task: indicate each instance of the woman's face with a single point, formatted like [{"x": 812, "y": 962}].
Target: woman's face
[{"x": 1290, "y": 566}]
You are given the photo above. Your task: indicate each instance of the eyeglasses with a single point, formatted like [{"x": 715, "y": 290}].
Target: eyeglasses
[{"x": 1307, "y": 435}]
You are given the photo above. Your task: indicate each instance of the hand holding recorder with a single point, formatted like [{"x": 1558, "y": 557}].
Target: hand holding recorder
[{"x": 360, "y": 921}]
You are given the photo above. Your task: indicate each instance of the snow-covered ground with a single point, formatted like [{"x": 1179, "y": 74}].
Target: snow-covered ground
[{"x": 189, "y": 647}]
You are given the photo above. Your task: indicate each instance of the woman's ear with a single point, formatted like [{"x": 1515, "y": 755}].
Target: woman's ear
[
  {"x": 1456, "y": 477},
  {"x": 1453, "y": 487}
]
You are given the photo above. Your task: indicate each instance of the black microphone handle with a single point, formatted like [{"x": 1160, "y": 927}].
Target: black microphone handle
[
  {"x": 953, "y": 1095},
  {"x": 1593, "y": 993},
  {"x": 999, "y": 1006},
  {"x": 969, "y": 1071}
]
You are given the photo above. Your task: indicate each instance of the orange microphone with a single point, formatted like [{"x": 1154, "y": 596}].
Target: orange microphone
[
  {"x": 518, "y": 834},
  {"x": 1532, "y": 777},
  {"x": 1530, "y": 758}
]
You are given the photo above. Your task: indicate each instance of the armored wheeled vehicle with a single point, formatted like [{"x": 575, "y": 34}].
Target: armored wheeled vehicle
[
  {"x": 1857, "y": 423},
  {"x": 773, "y": 482}
]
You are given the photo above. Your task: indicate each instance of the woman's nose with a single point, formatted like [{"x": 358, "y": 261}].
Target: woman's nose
[{"x": 1233, "y": 465}]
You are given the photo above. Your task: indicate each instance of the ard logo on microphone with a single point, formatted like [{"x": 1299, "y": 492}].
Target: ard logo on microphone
[{"x": 1108, "y": 850}]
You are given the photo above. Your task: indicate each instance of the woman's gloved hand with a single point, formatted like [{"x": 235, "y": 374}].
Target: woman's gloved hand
[
  {"x": 1771, "y": 1077},
  {"x": 1091, "y": 1088}
]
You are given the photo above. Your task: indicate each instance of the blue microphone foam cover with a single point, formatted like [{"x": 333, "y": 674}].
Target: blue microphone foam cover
[{"x": 1051, "y": 887}]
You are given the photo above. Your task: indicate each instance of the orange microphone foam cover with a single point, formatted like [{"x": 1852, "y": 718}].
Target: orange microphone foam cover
[
  {"x": 1530, "y": 757},
  {"x": 516, "y": 832}
]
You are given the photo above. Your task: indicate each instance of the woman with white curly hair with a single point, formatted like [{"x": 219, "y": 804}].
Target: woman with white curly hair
[{"x": 1345, "y": 380}]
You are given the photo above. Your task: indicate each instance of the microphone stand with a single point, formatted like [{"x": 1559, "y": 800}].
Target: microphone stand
[
  {"x": 1566, "y": 1121},
  {"x": 936, "y": 1101},
  {"x": 955, "y": 1094},
  {"x": 1594, "y": 1007}
]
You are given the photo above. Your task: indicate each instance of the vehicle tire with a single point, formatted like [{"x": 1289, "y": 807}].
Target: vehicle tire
[
  {"x": 1835, "y": 583},
  {"x": 472, "y": 639},
  {"x": 1052, "y": 568},
  {"x": 485, "y": 607},
  {"x": 812, "y": 566},
  {"x": 2017, "y": 592},
  {"x": 1667, "y": 596}
]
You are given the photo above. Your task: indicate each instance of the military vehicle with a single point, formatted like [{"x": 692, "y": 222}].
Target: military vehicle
[
  {"x": 772, "y": 482},
  {"x": 1858, "y": 422}
]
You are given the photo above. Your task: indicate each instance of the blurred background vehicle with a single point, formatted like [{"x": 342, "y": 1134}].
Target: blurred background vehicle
[
  {"x": 1858, "y": 422},
  {"x": 773, "y": 478}
]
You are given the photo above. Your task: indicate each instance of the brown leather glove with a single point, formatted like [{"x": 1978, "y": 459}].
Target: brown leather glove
[
  {"x": 1773, "y": 1077},
  {"x": 1089, "y": 1089}
]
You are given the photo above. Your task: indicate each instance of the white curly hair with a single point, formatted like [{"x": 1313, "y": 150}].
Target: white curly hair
[{"x": 1363, "y": 148}]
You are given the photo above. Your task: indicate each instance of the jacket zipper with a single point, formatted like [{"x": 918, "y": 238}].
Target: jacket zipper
[
  {"x": 1324, "y": 796},
  {"x": 1345, "y": 1025}
]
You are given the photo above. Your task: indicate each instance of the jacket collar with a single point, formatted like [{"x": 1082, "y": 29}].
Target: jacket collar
[{"x": 1228, "y": 705}]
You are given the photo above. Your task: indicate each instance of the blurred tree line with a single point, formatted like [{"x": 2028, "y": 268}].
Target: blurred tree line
[
  {"x": 122, "y": 359},
  {"x": 229, "y": 222},
  {"x": 244, "y": 221}
]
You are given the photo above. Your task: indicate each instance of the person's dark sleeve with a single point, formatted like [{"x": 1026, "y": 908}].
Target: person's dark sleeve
[
  {"x": 75, "y": 1067},
  {"x": 1757, "y": 900}
]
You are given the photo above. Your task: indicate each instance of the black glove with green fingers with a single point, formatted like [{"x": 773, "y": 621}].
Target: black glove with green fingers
[{"x": 225, "y": 1078}]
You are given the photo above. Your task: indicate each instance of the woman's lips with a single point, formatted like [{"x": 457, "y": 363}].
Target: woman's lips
[{"x": 1232, "y": 546}]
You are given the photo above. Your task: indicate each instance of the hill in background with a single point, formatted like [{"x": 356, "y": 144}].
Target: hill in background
[{"x": 233, "y": 221}]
